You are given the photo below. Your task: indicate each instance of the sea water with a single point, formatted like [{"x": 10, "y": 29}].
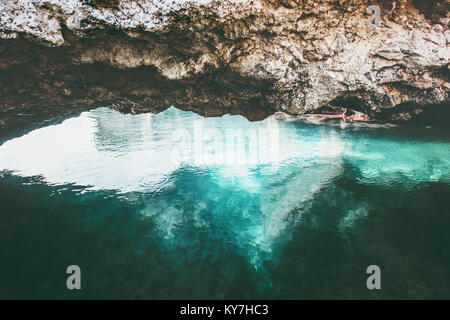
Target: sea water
[{"x": 174, "y": 205}]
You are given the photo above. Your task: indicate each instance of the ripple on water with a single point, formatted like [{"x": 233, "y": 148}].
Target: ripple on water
[{"x": 250, "y": 204}]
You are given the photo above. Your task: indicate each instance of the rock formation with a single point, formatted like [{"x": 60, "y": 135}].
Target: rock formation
[{"x": 388, "y": 59}]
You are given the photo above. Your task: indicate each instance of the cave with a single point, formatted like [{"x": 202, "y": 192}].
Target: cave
[{"x": 232, "y": 150}]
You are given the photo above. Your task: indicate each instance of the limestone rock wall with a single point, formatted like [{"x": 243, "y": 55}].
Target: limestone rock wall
[{"x": 233, "y": 56}]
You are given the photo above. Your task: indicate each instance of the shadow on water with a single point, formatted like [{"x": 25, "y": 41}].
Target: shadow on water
[
  {"x": 117, "y": 250},
  {"x": 351, "y": 225}
]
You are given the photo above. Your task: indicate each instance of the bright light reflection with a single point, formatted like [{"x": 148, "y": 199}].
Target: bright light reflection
[{"x": 254, "y": 180}]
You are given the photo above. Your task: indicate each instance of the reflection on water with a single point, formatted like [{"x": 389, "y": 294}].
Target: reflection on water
[{"x": 174, "y": 170}]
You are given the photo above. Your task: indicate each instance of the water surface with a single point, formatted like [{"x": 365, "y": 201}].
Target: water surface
[{"x": 174, "y": 205}]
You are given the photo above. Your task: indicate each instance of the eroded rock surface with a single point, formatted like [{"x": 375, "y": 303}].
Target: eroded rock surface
[{"x": 214, "y": 57}]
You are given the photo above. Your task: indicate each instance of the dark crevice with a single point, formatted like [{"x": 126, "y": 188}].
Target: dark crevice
[{"x": 413, "y": 113}]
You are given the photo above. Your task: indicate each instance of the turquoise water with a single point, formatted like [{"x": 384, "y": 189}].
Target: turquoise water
[{"x": 174, "y": 205}]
